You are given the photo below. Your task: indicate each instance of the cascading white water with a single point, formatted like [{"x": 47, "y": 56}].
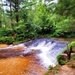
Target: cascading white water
[{"x": 49, "y": 49}]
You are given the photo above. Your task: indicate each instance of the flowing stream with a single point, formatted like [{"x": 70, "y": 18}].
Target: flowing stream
[
  {"x": 48, "y": 50},
  {"x": 35, "y": 58}
]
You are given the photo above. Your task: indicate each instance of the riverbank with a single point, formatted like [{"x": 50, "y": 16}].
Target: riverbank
[
  {"x": 33, "y": 67},
  {"x": 68, "y": 68}
]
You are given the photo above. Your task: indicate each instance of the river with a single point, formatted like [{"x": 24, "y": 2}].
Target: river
[{"x": 30, "y": 58}]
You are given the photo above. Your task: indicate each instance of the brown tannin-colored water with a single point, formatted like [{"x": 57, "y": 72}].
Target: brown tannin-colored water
[
  {"x": 3, "y": 45},
  {"x": 27, "y": 65},
  {"x": 21, "y": 66}
]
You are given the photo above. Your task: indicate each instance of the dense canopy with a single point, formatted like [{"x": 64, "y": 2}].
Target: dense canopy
[{"x": 33, "y": 18}]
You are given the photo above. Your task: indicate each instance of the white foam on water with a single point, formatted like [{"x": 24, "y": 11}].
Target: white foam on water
[
  {"x": 44, "y": 48},
  {"x": 45, "y": 61},
  {"x": 48, "y": 50}
]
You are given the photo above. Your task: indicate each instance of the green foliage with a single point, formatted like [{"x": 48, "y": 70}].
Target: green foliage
[
  {"x": 53, "y": 70},
  {"x": 5, "y": 32},
  {"x": 65, "y": 7},
  {"x": 46, "y": 73},
  {"x": 24, "y": 31},
  {"x": 73, "y": 57},
  {"x": 7, "y": 40},
  {"x": 64, "y": 27},
  {"x": 18, "y": 33},
  {"x": 71, "y": 44},
  {"x": 50, "y": 67},
  {"x": 41, "y": 19},
  {"x": 61, "y": 60},
  {"x": 37, "y": 18}
]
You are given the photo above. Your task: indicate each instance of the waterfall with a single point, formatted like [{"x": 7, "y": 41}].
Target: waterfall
[{"x": 49, "y": 49}]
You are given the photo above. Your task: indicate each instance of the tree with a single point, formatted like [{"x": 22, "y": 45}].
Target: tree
[
  {"x": 0, "y": 15},
  {"x": 41, "y": 19},
  {"x": 15, "y": 6},
  {"x": 69, "y": 53},
  {"x": 66, "y": 8}
]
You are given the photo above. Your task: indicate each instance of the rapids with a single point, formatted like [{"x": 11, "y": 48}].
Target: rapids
[
  {"x": 30, "y": 58},
  {"x": 48, "y": 50}
]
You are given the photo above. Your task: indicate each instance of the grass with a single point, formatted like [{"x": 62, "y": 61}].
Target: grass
[{"x": 53, "y": 70}]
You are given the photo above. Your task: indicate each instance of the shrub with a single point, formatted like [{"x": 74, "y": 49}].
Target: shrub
[
  {"x": 50, "y": 67},
  {"x": 65, "y": 27},
  {"x": 71, "y": 44},
  {"x": 61, "y": 60},
  {"x": 6, "y": 32},
  {"x": 7, "y": 40}
]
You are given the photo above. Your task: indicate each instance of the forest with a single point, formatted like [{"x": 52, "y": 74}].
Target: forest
[
  {"x": 37, "y": 37},
  {"x": 28, "y": 19}
]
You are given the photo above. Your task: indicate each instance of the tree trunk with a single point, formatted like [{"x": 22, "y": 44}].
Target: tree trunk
[
  {"x": 69, "y": 53},
  {"x": 11, "y": 14},
  {"x": 17, "y": 10}
]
